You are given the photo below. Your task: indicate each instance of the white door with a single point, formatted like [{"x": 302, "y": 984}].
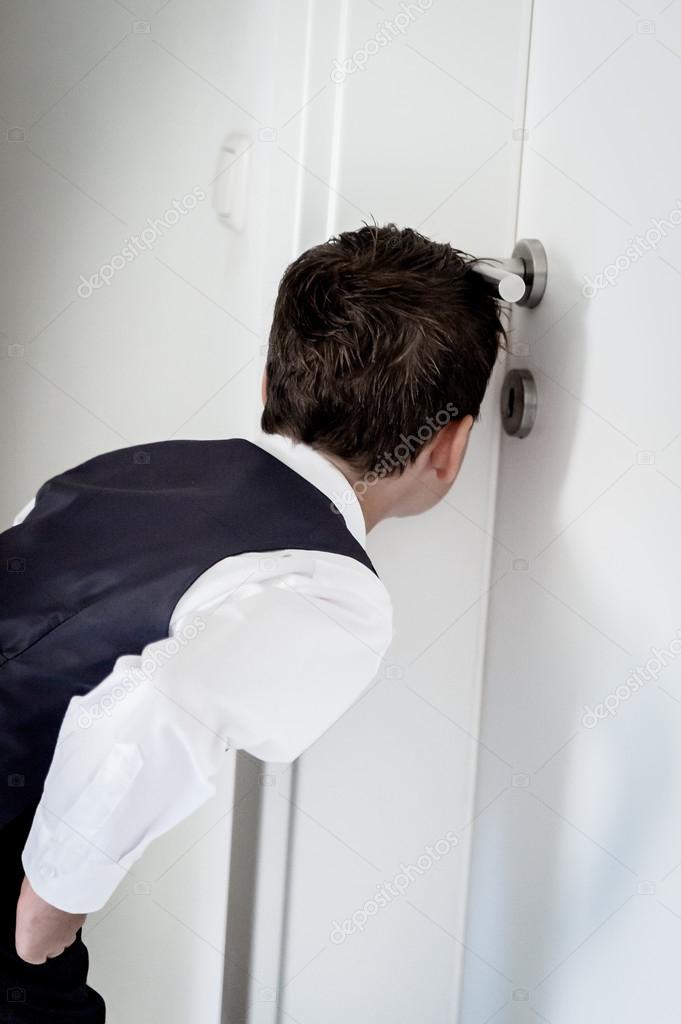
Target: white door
[
  {"x": 112, "y": 113},
  {"x": 575, "y": 904},
  {"x": 418, "y": 125}
]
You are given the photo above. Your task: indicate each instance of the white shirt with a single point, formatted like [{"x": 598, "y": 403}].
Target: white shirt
[{"x": 265, "y": 652}]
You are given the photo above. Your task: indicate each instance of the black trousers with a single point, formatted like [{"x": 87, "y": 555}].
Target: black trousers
[{"x": 55, "y": 991}]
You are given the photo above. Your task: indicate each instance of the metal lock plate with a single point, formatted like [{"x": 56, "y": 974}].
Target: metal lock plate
[{"x": 518, "y": 403}]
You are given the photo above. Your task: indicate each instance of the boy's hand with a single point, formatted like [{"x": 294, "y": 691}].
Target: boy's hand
[{"x": 42, "y": 930}]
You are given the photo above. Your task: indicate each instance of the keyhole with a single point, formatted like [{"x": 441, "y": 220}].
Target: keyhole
[
  {"x": 518, "y": 402},
  {"x": 511, "y": 403}
]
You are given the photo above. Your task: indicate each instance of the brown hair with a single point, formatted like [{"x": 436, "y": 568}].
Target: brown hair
[{"x": 374, "y": 333}]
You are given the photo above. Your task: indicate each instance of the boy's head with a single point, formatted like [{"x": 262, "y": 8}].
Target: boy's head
[{"x": 380, "y": 351}]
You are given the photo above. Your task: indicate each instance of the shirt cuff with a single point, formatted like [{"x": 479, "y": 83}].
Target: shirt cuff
[{"x": 65, "y": 870}]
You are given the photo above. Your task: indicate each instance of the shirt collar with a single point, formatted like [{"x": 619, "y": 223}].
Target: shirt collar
[{"x": 321, "y": 473}]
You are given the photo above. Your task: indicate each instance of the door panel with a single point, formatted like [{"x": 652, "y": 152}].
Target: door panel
[
  {"x": 575, "y": 896},
  {"x": 420, "y": 131}
]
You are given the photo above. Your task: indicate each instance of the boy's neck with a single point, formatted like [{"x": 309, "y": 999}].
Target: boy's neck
[{"x": 376, "y": 500}]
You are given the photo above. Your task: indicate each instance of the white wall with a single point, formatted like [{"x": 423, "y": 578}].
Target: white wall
[{"x": 576, "y": 898}]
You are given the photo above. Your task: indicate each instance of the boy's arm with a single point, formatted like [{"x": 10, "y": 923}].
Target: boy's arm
[{"x": 274, "y": 665}]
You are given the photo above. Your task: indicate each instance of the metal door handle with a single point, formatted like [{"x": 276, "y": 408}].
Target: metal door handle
[{"x": 522, "y": 278}]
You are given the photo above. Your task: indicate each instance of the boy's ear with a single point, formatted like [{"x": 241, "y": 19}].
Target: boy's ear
[
  {"x": 263, "y": 387},
  {"x": 449, "y": 448}
]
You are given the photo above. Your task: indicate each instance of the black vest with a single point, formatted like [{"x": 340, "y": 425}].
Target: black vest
[{"x": 96, "y": 568}]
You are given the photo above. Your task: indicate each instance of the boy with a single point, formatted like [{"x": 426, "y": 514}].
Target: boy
[{"x": 169, "y": 602}]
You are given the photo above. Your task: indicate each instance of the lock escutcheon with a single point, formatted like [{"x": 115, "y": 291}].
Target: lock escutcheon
[{"x": 518, "y": 403}]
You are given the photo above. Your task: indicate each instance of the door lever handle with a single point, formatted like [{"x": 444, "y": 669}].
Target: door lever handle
[
  {"x": 231, "y": 181},
  {"x": 522, "y": 278}
]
